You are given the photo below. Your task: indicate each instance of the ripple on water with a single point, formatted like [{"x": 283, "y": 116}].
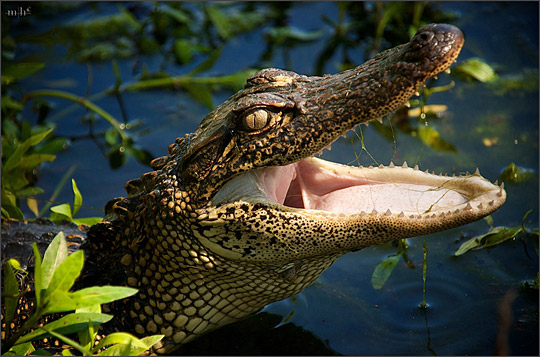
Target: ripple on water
[{"x": 454, "y": 321}]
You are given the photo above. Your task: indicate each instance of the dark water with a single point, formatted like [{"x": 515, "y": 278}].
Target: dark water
[{"x": 342, "y": 313}]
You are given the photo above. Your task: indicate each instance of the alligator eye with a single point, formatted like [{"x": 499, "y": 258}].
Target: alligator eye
[{"x": 256, "y": 119}]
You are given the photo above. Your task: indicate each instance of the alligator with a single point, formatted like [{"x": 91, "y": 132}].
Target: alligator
[{"x": 241, "y": 213}]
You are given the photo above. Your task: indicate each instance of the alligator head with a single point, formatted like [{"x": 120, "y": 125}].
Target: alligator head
[{"x": 240, "y": 214}]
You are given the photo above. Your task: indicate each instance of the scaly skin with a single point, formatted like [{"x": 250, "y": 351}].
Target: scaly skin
[{"x": 206, "y": 242}]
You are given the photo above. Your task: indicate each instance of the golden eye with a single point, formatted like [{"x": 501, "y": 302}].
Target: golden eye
[{"x": 255, "y": 120}]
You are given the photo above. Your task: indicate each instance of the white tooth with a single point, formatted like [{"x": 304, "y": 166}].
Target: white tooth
[
  {"x": 477, "y": 172},
  {"x": 404, "y": 165},
  {"x": 447, "y": 71},
  {"x": 435, "y": 77},
  {"x": 496, "y": 183},
  {"x": 381, "y": 166},
  {"x": 391, "y": 165},
  {"x": 363, "y": 213},
  {"x": 407, "y": 104},
  {"x": 370, "y": 166},
  {"x": 401, "y": 214},
  {"x": 415, "y": 167},
  {"x": 480, "y": 206},
  {"x": 379, "y": 120},
  {"x": 388, "y": 212},
  {"x": 374, "y": 212},
  {"x": 468, "y": 207},
  {"x": 417, "y": 94}
]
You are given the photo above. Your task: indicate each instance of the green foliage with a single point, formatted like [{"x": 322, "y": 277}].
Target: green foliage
[
  {"x": 515, "y": 174},
  {"x": 64, "y": 213},
  {"x": 496, "y": 236},
  {"x": 54, "y": 277},
  {"x": 475, "y": 69},
  {"x": 384, "y": 269}
]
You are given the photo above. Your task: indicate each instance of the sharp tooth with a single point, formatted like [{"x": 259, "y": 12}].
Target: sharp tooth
[
  {"x": 388, "y": 212},
  {"x": 381, "y": 166},
  {"x": 435, "y": 77},
  {"x": 477, "y": 172},
  {"x": 374, "y": 212},
  {"x": 447, "y": 71},
  {"x": 417, "y": 94},
  {"x": 401, "y": 214},
  {"x": 496, "y": 183},
  {"x": 502, "y": 186},
  {"x": 370, "y": 166},
  {"x": 468, "y": 207},
  {"x": 415, "y": 167},
  {"x": 404, "y": 165},
  {"x": 480, "y": 206},
  {"x": 407, "y": 104},
  {"x": 379, "y": 120},
  {"x": 427, "y": 171},
  {"x": 362, "y": 214},
  {"x": 391, "y": 165},
  {"x": 491, "y": 202}
]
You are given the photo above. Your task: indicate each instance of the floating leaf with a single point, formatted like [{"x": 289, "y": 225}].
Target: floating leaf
[
  {"x": 495, "y": 236},
  {"x": 475, "y": 68},
  {"x": 515, "y": 174},
  {"x": 432, "y": 138},
  {"x": 383, "y": 270}
]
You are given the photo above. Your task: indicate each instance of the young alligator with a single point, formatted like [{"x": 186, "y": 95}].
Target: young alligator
[{"x": 240, "y": 214}]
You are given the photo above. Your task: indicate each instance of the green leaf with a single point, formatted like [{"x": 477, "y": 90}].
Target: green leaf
[
  {"x": 141, "y": 155},
  {"x": 128, "y": 345},
  {"x": 431, "y": 137},
  {"x": 22, "y": 349},
  {"x": 55, "y": 255},
  {"x": 495, "y": 236},
  {"x": 89, "y": 221},
  {"x": 117, "y": 156},
  {"x": 38, "y": 276},
  {"x": 383, "y": 270},
  {"x": 111, "y": 136},
  {"x": 15, "y": 159},
  {"x": 201, "y": 93},
  {"x": 475, "y": 68},
  {"x": 220, "y": 21},
  {"x": 63, "y": 279},
  {"x": 67, "y": 324},
  {"x": 97, "y": 295},
  {"x": 33, "y": 160},
  {"x": 64, "y": 209},
  {"x": 15, "y": 71},
  {"x": 69, "y": 341},
  {"x": 10, "y": 291},
  {"x": 207, "y": 63},
  {"x": 87, "y": 336},
  {"x": 78, "y": 198},
  {"x": 183, "y": 49}
]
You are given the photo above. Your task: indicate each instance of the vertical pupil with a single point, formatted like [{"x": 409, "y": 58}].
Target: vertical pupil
[{"x": 256, "y": 120}]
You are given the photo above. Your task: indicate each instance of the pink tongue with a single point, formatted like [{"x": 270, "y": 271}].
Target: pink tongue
[{"x": 325, "y": 190}]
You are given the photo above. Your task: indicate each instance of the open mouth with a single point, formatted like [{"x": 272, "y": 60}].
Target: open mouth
[{"x": 321, "y": 186}]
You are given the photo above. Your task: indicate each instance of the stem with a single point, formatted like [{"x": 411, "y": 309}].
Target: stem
[
  {"x": 424, "y": 273},
  {"x": 80, "y": 100},
  {"x": 27, "y": 325}
]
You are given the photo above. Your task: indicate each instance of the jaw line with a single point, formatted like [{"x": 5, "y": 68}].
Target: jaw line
[{"x": 318, "y": 187}]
